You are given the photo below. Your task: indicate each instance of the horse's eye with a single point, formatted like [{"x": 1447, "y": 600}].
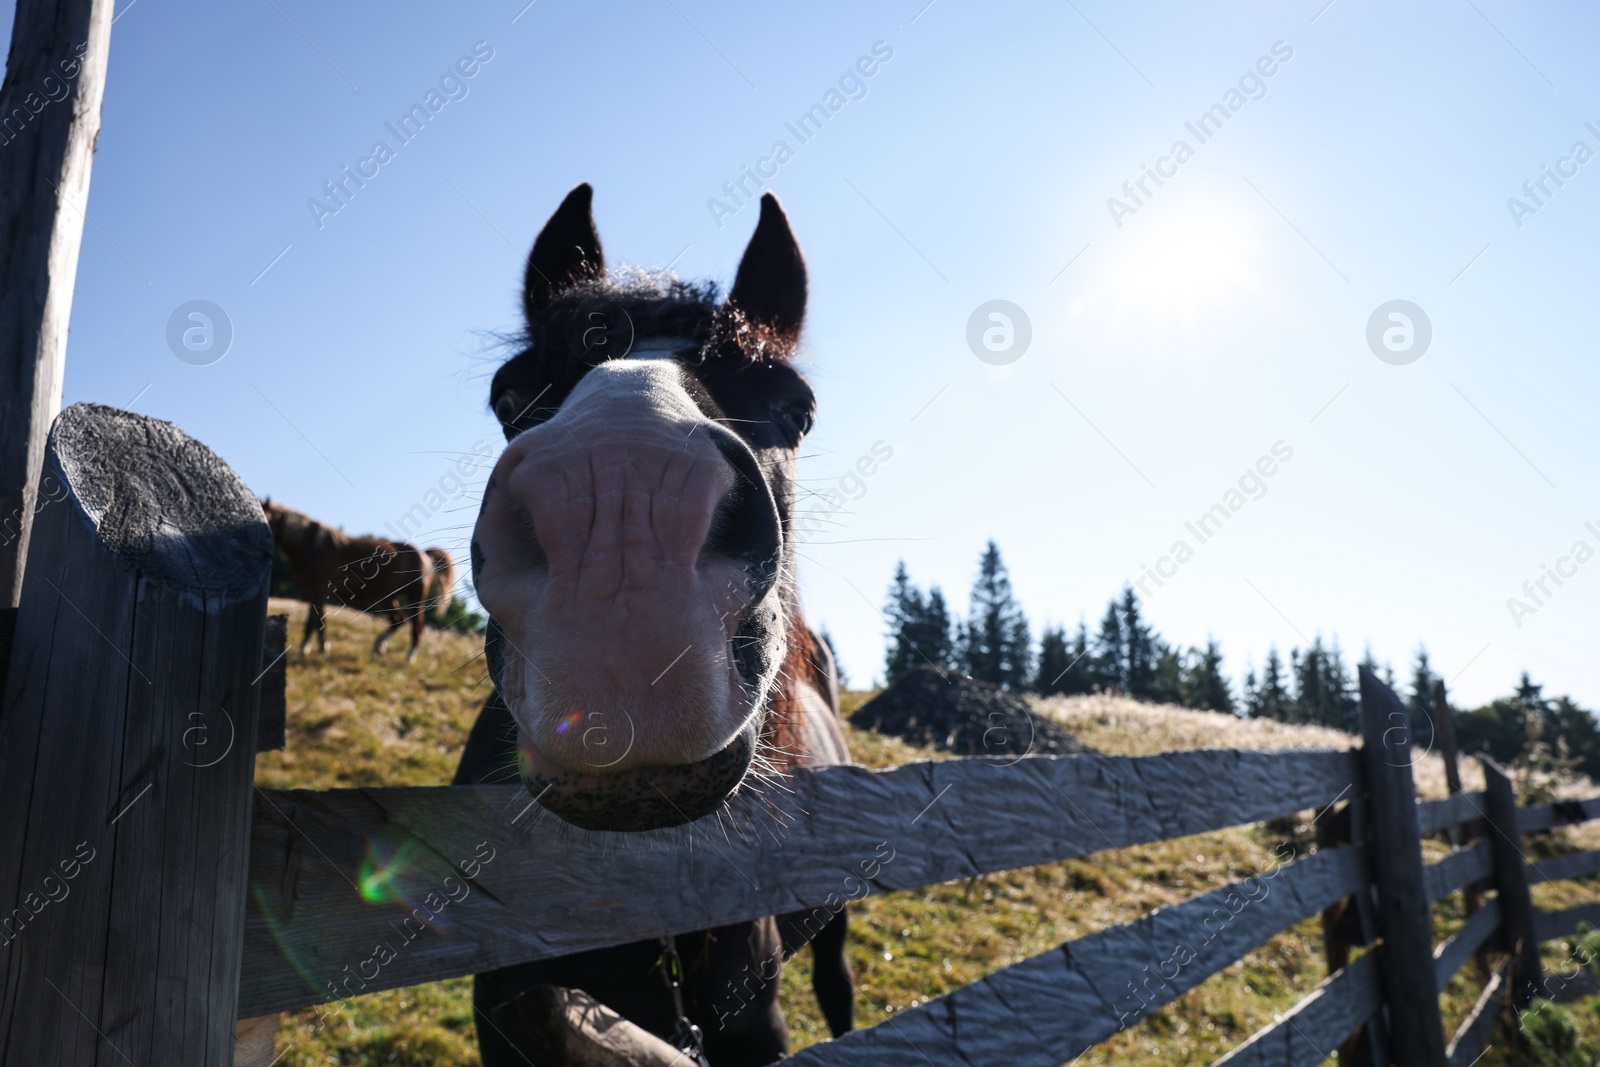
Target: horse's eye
[{"x": 795, "y": 420}]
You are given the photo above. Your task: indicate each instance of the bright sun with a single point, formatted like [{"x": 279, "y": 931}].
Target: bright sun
[{"x": 1179, "y": 271}]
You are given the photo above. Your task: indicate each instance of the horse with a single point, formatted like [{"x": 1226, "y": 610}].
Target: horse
[
  {"x": 634, "y": 550},
  {"x": 370, "y": 573},
  {"x": 444, "y": 580}
]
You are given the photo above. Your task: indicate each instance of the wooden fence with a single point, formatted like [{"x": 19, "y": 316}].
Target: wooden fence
[{"x": 206, "y": 900}]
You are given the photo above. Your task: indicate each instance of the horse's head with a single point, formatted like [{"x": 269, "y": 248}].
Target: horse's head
[{"x": 633, "y": 546}]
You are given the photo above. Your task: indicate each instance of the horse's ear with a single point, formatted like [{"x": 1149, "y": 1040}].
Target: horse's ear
[
  {"x": 566, "y": 252},
  {"x": 771, "y": 284}
]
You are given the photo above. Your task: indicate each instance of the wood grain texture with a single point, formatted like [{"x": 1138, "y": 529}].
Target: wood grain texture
[
  {"x": 1473, "y": 1036},
  {"x": 125, "y": 753},
  {"x": 1412, "y": 995},
  {"x": 1461, "y": 868},
  {"x": 1453, "y": 953},
  {"x": 1046, "y": 1010},
  {"x": 1436, "y": 815},
  {"x": 311, "y": 930},
  {"x": 46, "y": 154},
  {"x": 1511, "y": 883},
  {"x": 1308, "y": 1033}
]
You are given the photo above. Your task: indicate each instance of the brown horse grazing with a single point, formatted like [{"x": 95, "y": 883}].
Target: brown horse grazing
[
  {"x": 368, "y": 573},
  {"x": 635, "y": 552}
]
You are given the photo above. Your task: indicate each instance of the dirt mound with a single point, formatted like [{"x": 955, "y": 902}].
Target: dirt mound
[{"x": 948, "y": 711}]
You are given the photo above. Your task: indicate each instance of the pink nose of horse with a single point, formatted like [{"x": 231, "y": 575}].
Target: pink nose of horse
[{"x": 627, "y": 552}]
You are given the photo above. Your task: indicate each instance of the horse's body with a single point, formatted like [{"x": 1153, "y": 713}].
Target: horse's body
[
  {"x": 389, "y": 578},
  {"x": 635, "y": 552}
]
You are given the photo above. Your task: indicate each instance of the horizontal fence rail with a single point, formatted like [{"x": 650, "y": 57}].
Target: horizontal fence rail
[
  {"x": 1561, "y": 868},
  {"x": 1436, "y": 815},
  {"x": 1561, "y": 813},
  {"x": 1468, "y": 1046},
  {"x": 1451, "y": 955},
  {"x": 1308, "y": 1033},
  {"x": 334, "y": 874},
  {"x": 1050, "y": 1008},
  {"x": 1456, "y": 871}
]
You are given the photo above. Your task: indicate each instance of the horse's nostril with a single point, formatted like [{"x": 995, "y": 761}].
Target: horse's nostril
[{"x": 746, "y": 524}]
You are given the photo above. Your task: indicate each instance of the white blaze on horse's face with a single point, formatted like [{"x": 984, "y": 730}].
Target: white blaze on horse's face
[
  {"x": 623, "y": 544},
  {"x": 631, "y": 548}
]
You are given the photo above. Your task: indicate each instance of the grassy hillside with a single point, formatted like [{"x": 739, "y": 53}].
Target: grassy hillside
[{"x": 354, "y": 721}]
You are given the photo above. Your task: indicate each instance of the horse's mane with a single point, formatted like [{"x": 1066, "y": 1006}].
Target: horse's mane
[{"x": 301, "y": 528}]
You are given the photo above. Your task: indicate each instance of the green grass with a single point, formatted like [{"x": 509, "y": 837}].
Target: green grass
[{"x": 354, "y": 721}]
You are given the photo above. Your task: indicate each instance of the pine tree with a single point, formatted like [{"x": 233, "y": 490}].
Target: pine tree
[
  {"x": 1055, "y": 656},
  {"x": 1110, "y": 666},
  {"x": 934, "y": 631},
  {"x": 1064, "y": 666},
  {"x": 1140, "y": 648},
  {"x": 1323, "y": 695},
  {"x": 904, "y": 610},
  {"x": 996, "y": 640},
  {"x": 1204, "y": 685},
  {"x": 1343, "y": 703},
  {"x": 1166, "y": 675},
  {"x": 1420, "y": 704},
  {"x": 1272, "y": 697}
]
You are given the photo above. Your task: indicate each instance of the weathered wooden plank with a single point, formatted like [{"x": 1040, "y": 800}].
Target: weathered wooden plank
[
  {"x": 273, "y": 683},
  {"x": 1461, "y": 868},
  {"x": 1561, "y": 813},
  {"x": 1511, "y": 883},
  {"x": 1549, "y": 925},
  {"x": 853, "y": 832},
  {"x": 1415, "y": 1026},
  {"x": 126, "y": 756},
  {"x": 1436, "y": 815},
  {"x": 1474, "y": 934},
  {"x": 1467, "y": 1046},
  {"x": 1050, "y": 1008},
  {"x": 46, "y": 153},
  {"x": 1307, "y": 1034},
  {"x": 1577, "y": 865}
]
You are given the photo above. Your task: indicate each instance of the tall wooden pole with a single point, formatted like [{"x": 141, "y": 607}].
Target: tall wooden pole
[
  {"x": 127, "y": 750},
  {"x": 49, "y": 120},
  {"x": 1395, "y": 845}
]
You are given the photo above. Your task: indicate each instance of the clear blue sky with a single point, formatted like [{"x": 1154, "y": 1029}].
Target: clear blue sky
[{"x": 1227, "y": 313}]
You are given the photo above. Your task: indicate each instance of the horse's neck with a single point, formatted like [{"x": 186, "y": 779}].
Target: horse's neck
[{"x": 305, "y": 535}]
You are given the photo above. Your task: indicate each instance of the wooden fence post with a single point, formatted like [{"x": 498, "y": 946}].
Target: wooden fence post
[
  {"x": 1349, "y": 923},
  {"x": 46, "y": 150},
  {"x": 1511, "y": 883},
  {"x": 1445, "y": 730},
  {"x": 127, "y": 751},
  {"x": 1416, "y": 1029}
]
